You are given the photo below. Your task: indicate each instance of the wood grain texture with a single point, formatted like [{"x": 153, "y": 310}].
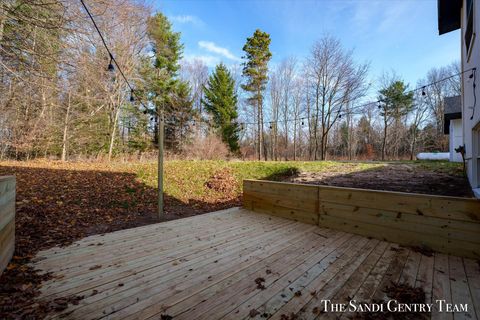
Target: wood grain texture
[
  {"x": 7, "y": 220},
  {"x": 445, "y": 224},
  {"x": 208, "y": 267}
]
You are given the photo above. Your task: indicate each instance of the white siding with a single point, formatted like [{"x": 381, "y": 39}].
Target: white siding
[
  {"x": 455, "y": 139},
  {"x": 470, "y": 61}
]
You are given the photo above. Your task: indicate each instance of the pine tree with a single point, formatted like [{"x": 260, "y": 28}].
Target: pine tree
[
  {"x": 257, "y": 53},
  {"x": 162, "y": 85},
  {"x": 396, "y": 103},
  {"x": 221, "y": 103}
]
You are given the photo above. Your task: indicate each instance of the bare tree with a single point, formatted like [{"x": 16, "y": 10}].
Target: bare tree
[
  {"x": 196, "y": 73},
  {"x": 275, "y": 101},
  {"x": 336, "y": 80},
  {"x": 418, "y": 117},
  {"x": 286, "y": 72},
  {"x": 297, "y": 110}
]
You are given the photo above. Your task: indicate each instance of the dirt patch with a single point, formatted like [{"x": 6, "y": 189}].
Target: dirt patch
[{"x": 392, "y": 177}]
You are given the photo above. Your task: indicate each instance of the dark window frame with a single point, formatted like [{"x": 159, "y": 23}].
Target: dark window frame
[{"x": 469, "y": 34}]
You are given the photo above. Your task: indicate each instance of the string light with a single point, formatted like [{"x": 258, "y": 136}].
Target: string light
[
  {"x": 113, "y": 62},
  {"x": 110, "y": 67},
  {"x": 378, "y": 102}
]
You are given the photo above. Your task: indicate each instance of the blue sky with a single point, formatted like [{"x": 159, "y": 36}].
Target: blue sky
[{"x": 399, "y": 35}]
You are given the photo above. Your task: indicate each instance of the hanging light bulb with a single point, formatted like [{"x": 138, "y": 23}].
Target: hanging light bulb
[
  {"x": 473, "y": 71},
  {"x": 271, "y": 126},
  {"x": 110, "y": 65},
  {"x": 423, "y": 91},
  {"x": 340, "y": 116},
  {"x": 379, "y": 106},
  {"x": 132, "y": 97},
  {"x": 303, "y": 123}
]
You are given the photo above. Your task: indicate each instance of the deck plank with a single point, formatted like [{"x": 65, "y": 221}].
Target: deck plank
[
  {"x": 459, "y": 288},
  {"x": 472, "y": 270},
  {"x": 171, "y": 276},
  {"x": 441, "y": 286},
  {"x": 205, "y": 267}
]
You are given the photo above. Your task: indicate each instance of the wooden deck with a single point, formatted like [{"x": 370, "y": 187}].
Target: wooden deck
[{"x": 206, "y": 267}]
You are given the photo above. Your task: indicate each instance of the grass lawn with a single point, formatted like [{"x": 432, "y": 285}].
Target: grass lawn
[{"x": 187, "y": 180}]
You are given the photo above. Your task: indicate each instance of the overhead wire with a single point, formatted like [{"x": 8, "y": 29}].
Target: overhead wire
[
  {"x": 339, "y": 114},
  {"x": 133, "y": 93}
]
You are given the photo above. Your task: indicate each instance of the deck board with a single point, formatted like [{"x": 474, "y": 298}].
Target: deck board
[{"x": 205, "y": 267}]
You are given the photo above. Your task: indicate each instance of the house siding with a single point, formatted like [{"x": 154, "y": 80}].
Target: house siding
[
  {"x": 456, "y": 139},
  {"x": 471, "y": 127}
]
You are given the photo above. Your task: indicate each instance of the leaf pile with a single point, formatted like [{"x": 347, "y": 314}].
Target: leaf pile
[{"x": 224, "y": 182}]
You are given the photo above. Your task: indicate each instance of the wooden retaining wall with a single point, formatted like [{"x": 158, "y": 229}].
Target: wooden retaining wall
[
  {"x": 444, "y": 224},
  {"x": 7, "y": 220}
]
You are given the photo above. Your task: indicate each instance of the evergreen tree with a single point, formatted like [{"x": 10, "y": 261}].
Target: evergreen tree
[
  {"x": 255, "y": 69},
  {"x": 396, "y": 103},
  {"x": 221, "y": 102},
  {"x": 162, "y": 85}
]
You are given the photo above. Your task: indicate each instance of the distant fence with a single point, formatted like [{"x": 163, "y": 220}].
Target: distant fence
[
  {"x": 7, "y": 220},
  {"x": 444, "y": 224}
]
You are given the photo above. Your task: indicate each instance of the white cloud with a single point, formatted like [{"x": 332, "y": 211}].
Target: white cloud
[
  {"x": 187, "y": 19},
  {"x": 212, "y": 47},
  {"x": 209, "y": 60}
]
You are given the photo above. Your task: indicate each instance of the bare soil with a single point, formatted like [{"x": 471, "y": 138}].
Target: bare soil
[{"x": 410, "y": 178}]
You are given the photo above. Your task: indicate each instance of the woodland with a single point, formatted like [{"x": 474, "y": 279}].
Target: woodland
[{"x": 64, "y": 96}]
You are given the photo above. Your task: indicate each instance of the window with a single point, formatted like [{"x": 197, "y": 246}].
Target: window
[{"x": 469, "y": 26}]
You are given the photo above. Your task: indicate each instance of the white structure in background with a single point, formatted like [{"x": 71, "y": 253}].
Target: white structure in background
[
  {"x": 433, "y": 156},
  {"x": 453, "y": 127},
  {"x": 465, "y": 15}
]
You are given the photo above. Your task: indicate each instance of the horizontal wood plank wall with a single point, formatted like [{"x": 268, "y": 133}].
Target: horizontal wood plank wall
[
  {"x": 293, "y": 201},
  {"x": 7, "y": 220},
  {"x": 444, "y": 224}
]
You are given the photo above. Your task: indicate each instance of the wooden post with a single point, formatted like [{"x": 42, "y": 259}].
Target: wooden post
[
  {"x": 7, "y": 220},
  {"x": 161, "y": 129}
]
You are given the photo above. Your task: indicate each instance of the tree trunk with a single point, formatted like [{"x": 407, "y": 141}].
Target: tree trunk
[
  {"x": 285, "y": 119},
  {"x": 414, "y": 141},
  {"x": 261, "y": 137},
  {"x": 295, "y": 139},
  {"x": 112, "y": 136},
  {"x": 384, "y": 142},
  {"x": 65, "y": 131},
  {"x": 259, "y": 132},
  {"x": 2, "y": 22}
]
